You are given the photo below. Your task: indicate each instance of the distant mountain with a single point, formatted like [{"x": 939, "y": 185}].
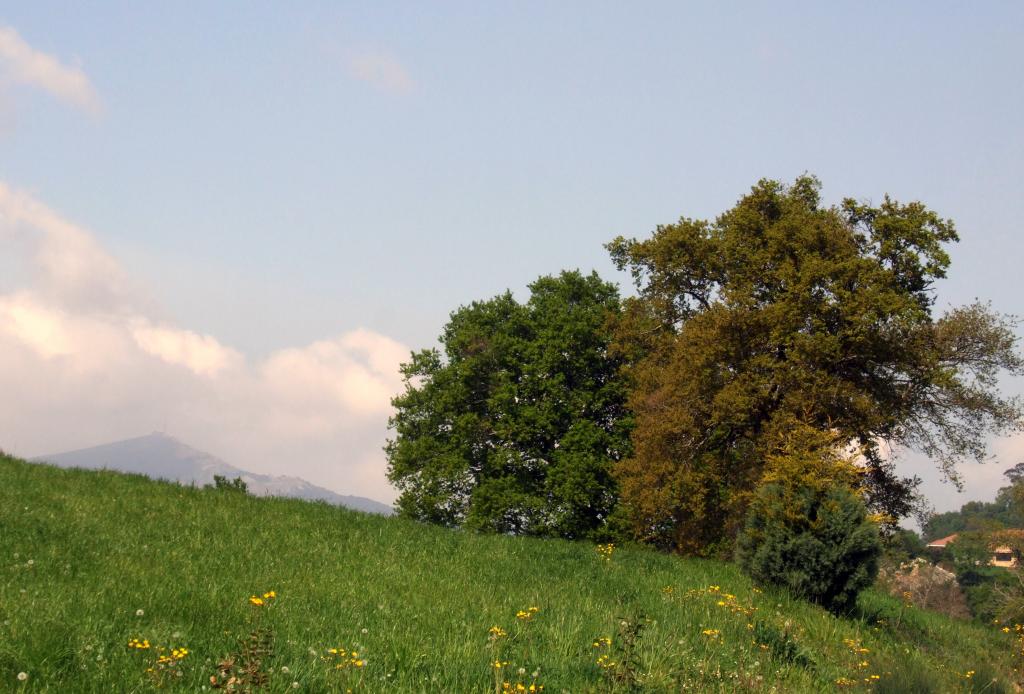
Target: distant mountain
[{"x": 159, "y": 456}]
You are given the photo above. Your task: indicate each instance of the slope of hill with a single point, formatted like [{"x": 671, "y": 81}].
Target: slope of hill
[
  {"x": 95, "y": 566},
  {"x": 160, "y": 456}
]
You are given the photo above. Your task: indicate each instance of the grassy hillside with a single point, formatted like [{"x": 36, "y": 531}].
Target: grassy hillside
[{"x": 91, "y": 560}]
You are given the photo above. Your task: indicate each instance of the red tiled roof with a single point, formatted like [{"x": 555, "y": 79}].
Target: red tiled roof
[{"x": 942, "y": 541}]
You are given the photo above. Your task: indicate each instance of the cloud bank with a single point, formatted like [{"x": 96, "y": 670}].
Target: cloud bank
[
  {"x": 22, "y": 64},
  {"x": 85, "y": 359}
]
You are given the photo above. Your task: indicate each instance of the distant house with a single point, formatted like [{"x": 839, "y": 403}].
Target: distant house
[
  {"x": 1004, "y": 557},
  {"x": 1001, "y": 556},
  {"x": 941, "y": 542}
]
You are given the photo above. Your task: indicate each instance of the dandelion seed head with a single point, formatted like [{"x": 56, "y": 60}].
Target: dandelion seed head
[
  {"x": 22, "y": 676},
  {"x": 139, "y": 613}
]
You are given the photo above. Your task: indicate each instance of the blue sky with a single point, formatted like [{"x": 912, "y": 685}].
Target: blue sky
[{"x": 269, "y": 179}]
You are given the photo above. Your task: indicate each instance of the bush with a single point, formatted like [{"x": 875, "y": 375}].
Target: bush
[
  {"x": 818, "y": 543},
  {"x": 223, "y": 484}
]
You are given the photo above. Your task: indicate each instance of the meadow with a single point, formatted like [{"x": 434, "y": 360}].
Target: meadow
[{"x": 116, "y": 583}]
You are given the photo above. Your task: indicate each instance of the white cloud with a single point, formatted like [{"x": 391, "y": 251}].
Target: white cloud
[
  {"x": 22, "y": 64},
  {"x": 83, "y": 362},
  {"x": 38, "y": 328},
  {"x": 330, "y": 371},
  {"x": 382, "y": 70},
  {"x": 67, "y": 263},
  {"x": 201, "y": 354}
]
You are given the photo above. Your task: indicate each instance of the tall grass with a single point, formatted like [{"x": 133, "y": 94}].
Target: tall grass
[{"x": 91, "y": 560}]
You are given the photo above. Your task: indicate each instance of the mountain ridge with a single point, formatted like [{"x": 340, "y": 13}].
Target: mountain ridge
[{"x": 160, "y": 456}]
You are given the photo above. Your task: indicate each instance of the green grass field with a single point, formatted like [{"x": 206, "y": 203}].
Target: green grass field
[{"x": 91, "y": 560}]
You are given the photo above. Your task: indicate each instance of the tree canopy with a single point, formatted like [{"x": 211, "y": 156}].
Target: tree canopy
[
  {"x": 784, "y": 322},
  {"x": 515, "y": 427}
]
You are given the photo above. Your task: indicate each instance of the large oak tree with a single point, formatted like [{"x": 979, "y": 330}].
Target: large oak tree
[{"x": 786, "y": 321}]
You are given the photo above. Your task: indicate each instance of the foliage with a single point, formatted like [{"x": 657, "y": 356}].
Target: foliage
[
  {"x": 816, "y": 542},
  {"x": 223, "y": 484},
  {"x": 991, "y": 592},
  {"x": 903, "y": 545},
  {"x": 969, "y": 550},
  {"x": 515, "y": 429},
  {"x": 986, "y": 588},
  {"x": 1008, "y": 599},
  {"x": 414, "y": 601},
  {"x": 1006, "y": 511},
  {"x": 783, "y": 312}
]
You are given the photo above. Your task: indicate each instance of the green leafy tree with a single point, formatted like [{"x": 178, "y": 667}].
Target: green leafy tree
[
  {"x": 515, "y": 427},
  {"x": 783, "y": 312},
  {"x": 969, "y": 549}
]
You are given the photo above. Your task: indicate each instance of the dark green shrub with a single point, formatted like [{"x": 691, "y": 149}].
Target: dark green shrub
[
  {"x": 818, "y": 543},
  {"x": 222, "y": 483}
]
